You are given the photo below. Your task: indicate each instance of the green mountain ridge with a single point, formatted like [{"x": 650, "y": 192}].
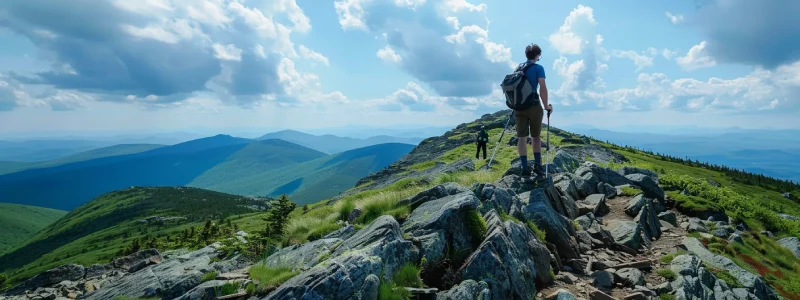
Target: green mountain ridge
[
  {"x": 21, "y": 222},
  {"x": 333, "y": 144},
  {"x": 308, "y": 181},
  {"x": 99, "y": 229},
  {"x": 222, "y": 163},
  {"x": 7, "y": 167}
]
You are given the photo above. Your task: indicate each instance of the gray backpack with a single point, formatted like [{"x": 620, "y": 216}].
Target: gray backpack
[{"x": 519, "y": 92}]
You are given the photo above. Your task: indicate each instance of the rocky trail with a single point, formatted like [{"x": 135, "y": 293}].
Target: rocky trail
[{"x": 604, "y": 234}]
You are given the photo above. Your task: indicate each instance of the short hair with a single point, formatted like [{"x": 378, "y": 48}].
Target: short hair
[{"x": 532, "y": 51}]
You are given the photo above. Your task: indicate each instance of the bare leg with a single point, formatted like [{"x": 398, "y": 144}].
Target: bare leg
[
  {"x": 537, "y": 144},
  {"x": 522, "y": 148}
]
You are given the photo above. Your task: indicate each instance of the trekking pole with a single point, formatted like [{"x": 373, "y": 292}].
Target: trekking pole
[
  {"x": 547, "y": 150},
  {"x": 489, "y": 165}
]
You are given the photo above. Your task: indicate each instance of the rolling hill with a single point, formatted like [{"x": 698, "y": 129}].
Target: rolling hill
[
  {"x": 7, "y": 167},
  {"x": 332, "y": 144},
  {"x": 70, "y": 185},
  {"x": 220, "y": 163},
  {"x": 305, "y": 182},
  {"x": 21, "y": 222},
  {"x": 99, "y": 229}
]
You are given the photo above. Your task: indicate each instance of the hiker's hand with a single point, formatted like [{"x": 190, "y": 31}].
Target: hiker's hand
[{"x": 549, "y": 110}]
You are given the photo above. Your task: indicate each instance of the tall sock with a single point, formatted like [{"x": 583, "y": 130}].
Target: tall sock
[
  {"x": 524, "y": 159},
  {"x": 537, "y": 158}
]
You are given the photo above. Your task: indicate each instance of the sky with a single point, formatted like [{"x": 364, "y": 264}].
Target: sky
[{"x": 311, "y": 64}]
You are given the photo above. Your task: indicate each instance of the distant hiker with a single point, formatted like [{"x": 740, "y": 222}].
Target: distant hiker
[
  {"x": 522, "y": 97},
  {"x": 483, "y": 138}
]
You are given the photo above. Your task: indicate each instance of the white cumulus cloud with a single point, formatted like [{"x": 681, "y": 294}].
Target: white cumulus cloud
[{"x": 696, "y": 58}]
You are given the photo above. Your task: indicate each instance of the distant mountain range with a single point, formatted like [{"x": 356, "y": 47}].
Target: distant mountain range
[
  {"x": 16, "y": 166},
  {"x": 231, "y": 164},
  {"x": 331, "y": 144}
]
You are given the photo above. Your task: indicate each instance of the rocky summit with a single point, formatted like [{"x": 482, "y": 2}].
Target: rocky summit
[{"x": 591, "y": 232}]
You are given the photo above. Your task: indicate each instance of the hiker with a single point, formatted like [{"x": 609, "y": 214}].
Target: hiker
[
  {"x": 529, "y": 120},
  {"x": 483, "y": 138}
]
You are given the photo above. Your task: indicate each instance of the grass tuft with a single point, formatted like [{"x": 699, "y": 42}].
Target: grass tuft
[
  {"x": 667, "y": 274},
  {"x": 539, "y": 233}
]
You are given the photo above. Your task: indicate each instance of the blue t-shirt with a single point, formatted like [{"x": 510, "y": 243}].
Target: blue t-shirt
[{"x": 534, "y": 73}]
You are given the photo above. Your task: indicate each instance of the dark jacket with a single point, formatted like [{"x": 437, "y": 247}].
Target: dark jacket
[{"x": 483, "y": 137}]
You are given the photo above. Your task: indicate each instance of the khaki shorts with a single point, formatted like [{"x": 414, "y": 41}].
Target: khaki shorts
[{"x": 529, "y": 121}]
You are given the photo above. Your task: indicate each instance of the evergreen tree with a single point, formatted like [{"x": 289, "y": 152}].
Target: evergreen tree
[{"x": 278, "y": 217}]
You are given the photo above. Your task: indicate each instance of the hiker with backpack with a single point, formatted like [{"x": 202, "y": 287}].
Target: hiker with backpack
[
  {"x": 481, "y": 141},
  {"x": 520, "y": 90}
]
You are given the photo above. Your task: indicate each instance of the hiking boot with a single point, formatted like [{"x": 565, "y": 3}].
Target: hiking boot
[
  {"x": 526, "y": 172},
  {"x": 539, "y": 172}
]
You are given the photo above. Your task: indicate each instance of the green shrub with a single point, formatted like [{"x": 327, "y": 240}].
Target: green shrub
[
  {"x": 380, "y": 207},
  {"x": 321, "y": 230},
  {"x": 725, "y": 276},
  {"x": 390, "y": 291},
  {"x": 250, "y": 289},
  {"x": 629, "y": 191},
  {"x": 667, "y": 259},
  {"x": 209, "y": 276},
  {"x": 268, "y": 278},
  {"x": 345, "y": 209},
  {"x": 577, "y": 226},
  {"x": 539, "y": 233},
  {"x": 666, "y": 297},
  {"x": 476, "y": 225},
  {"x": 667, "y": 274},
  {"x": 408, "y": 276},
  {"x": 228, "y": 288}
]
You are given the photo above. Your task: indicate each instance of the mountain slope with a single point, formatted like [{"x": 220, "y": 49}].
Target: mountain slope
[
  {"x": 122, "y": 149},
  {"x": 305, "y": 182},
  {"x": 332, "y": 144},
  {"x": 20, "y": 222},
  {"x": 99, "y": 229},
  {"x": 70, "y": 185}
]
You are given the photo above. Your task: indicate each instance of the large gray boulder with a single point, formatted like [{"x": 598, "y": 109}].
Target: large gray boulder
[
  {"x": 628, "y": 170},
  {"x": 466, "y": 290},
  {"x": 649, "y": 186},
  {"x": 378, "y": 249},
  {"x": 791, "y": 243},
  {"x": 626, "y": 233},
  {"x": 71, "y": 272},
  {"x": 753, "y": 283},
  {"x": 511, "y": 260},
  {"x": 648, "y": 219},
  {"x": 169, "y": 279},
  {"x": 559, "y": 229},
  {"x": 494, "y": 197},
  {"x": 634, "y": 205},
  {"x": 561, "y": 203},
  {"x": 564, "y": 162},
  {"x": 595, "y": 153},
  {"x": 136, "y": 261},
  {"x": 302, "y": 257},
  {"x": 694, "y": 281},
  {"x": 436, "y": 192},
  {"x": 603, "y": 174},
  {"x": 567, "y": 186},
  {"x": 443, "y": 222},
  {"x": 595, "y": 203}
]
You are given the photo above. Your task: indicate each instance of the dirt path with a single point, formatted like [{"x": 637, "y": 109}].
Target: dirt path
[{"x": 670, "y": 238}]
